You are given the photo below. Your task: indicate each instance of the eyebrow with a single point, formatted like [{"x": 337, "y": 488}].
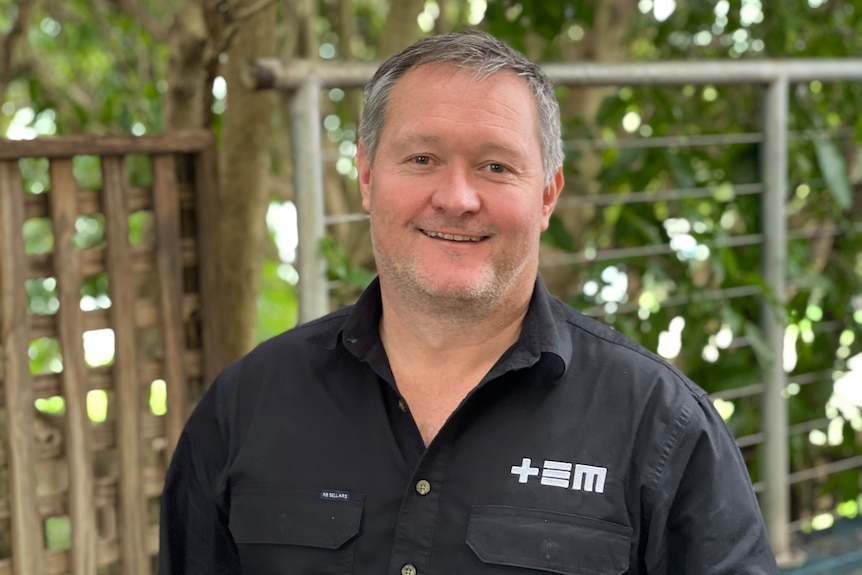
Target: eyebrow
[
  {"x": 497, "y": 147},
  {"x": 484, "y": 147},
  {"x": 417, "y": 139}
]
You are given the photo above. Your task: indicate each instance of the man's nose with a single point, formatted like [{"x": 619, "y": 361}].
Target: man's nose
[{"x": 456, "y": 193}]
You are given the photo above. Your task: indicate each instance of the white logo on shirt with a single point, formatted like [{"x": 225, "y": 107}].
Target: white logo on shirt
[{"x": 559, "y": 474}]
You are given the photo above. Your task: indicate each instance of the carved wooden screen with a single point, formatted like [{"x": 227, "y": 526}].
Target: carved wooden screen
[{"x": 107, "y": 251}]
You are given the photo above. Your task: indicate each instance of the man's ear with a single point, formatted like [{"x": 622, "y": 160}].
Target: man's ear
[
  {"x": 549, "y": 197},
  {"x": 363, "y": 166}
]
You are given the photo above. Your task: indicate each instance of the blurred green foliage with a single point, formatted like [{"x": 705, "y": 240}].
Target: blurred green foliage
[{"x": 93, "y": 68}]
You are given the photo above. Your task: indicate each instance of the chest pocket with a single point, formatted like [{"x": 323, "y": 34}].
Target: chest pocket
[
  {"x": 295, "y": 531},
  {"x": 548, "y": 542}
]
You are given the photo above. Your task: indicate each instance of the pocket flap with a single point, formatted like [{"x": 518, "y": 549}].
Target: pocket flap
[
  {"x": 294, "y": 517},
  {"x": 548, "y": 541}
]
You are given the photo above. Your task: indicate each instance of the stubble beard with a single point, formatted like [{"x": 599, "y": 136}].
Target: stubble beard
[{"x": 423, "y": 293}]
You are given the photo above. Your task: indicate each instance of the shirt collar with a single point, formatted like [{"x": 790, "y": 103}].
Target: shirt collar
[
  {"x": 361, "y": 333},
  {"x": 544, "y": 335}
]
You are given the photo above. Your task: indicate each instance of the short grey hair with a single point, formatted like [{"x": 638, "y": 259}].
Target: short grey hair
[{"x": 475, "y": 51}]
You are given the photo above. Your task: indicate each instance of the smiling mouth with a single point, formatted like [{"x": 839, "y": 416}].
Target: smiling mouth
[{"x": 453, "y": 237}]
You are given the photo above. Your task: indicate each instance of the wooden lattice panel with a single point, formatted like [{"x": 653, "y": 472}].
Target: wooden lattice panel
[{"x": 145, "y": 228}]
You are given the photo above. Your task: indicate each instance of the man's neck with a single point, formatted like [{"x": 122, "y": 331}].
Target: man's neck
[
  {"x": 437, "y": 359},
  {"x": 428, "y": 334}
]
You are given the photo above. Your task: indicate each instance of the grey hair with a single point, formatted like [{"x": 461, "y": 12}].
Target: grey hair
[{"x": 477, "y": 52}]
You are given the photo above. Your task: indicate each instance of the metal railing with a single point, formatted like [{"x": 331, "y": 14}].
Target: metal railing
[{"x": 304, "y": 81}]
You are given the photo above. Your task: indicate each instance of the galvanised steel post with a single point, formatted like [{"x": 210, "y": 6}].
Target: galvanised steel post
[
  {"x": 305, "y": 137},
  {"x": 308, "y": 77},
  {"x": 266, "y": 73},
  {"x": 776, "y": 502}
]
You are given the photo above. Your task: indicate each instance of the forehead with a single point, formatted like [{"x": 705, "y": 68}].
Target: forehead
[
  {"x": 459, "y": 82},
  {"x": 449, "y": 100}
]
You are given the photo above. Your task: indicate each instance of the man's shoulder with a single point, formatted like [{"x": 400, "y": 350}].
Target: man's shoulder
[
  {"x": 596, "y": 344},
  {"x": 300, "y": 343},
  {"x": 321, "y": 332}
]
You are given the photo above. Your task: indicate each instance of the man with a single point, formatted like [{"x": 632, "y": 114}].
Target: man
[{"x": 458, "y": 419}]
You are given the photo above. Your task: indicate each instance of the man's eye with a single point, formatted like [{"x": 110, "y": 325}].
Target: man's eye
[
  {"x": 497, "y": 168},
  {"x": 424, "y": 160}
]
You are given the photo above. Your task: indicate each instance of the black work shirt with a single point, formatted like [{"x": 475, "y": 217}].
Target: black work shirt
[{"x": 579, "y": 453}]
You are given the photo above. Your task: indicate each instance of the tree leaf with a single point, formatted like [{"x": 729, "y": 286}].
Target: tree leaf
[
  {"x": 834, "y": 170},
  {"x": 758, "y": 342},
  {"x": 557, "y": 235}
]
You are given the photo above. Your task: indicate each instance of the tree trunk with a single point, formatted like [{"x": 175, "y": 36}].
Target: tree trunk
[
  {"x": 401, "y": 28},
  {"x": 605, "y": 42},
  {"x": 9, "y": 41},
  {"x": 243, "y": 30},
  {"x": 189, "y": 94},
  {"x": 245, "y": 170},
  {"x": 342, "y": 199}
]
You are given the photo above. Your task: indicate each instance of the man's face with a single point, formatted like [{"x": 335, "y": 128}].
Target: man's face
[{"x": 456, "y": 194}]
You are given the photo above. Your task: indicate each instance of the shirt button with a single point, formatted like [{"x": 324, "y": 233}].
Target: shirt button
[
  {"x": 402, "y": 405},
  {"x": 408, "y": 570},
  {"x": 423, "y": 487}
]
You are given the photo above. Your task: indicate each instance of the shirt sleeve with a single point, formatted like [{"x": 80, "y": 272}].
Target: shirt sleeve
[
  {"x": 194, "y": 537},
  {"x": 705, "y": 517}
]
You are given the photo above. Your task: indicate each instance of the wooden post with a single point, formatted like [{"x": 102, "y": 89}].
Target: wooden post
[
  {"x": 64, "y": 213},
  {"x": 27, "y": 548},
  {"x": 121, "y": 286},
  {"x": 169, "y": 258}
]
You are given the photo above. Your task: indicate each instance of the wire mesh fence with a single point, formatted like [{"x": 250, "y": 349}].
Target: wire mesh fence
[{"x": 732, "y": 252}]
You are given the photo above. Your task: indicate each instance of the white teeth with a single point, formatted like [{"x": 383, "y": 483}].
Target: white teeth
[{"x": 451, "y": 237}]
